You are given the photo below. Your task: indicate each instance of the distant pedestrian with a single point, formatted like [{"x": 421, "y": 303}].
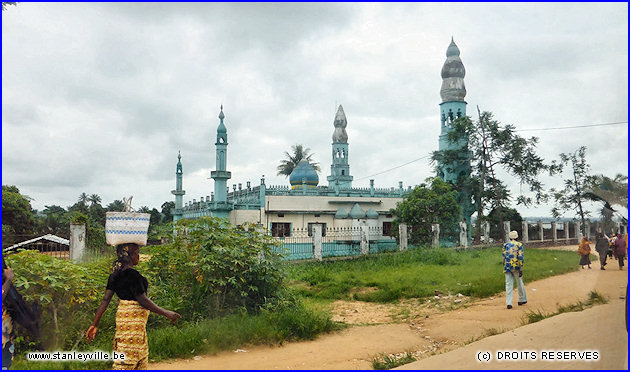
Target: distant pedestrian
[
  {"x": 584, "y": 250},
  {"x": 601, "y": 246},
  {"x": 620, "y": 249},
  {"x": 513, "y": 260},
  {"x": 611, "y": 245}
]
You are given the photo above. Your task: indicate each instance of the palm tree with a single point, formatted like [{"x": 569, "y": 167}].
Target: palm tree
[
  {"x": 144, "y": 209},
  {"x": 299, "y": 152},
  {"x": 83, "y": 199},
  {"x": 94, "y": 199},
  {"x": 608, "y": 190},
  {"x": 116, "y": 206}
]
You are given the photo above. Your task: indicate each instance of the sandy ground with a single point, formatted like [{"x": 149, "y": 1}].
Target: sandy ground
[{"x": 452, "y": 326}]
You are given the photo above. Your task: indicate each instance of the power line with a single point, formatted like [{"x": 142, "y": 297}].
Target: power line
[
  {"x": 518, "y": 130},
  {"x": 575, "y": 126},
  {"x": 391, "y": 169}
]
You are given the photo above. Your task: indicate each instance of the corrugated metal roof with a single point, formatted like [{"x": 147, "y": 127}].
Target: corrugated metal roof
[{"x": 50, "y": 237}]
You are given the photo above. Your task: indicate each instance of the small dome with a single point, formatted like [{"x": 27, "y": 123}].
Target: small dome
[
  {"x": 303, "y": 171},
  {"x": 357, "y": 212},
  {"x": 371, "y": 213},
  {"x": 341, "y": 213},
  {"x": 221, "y": 128},
  {"x": 452, "y": 50}
]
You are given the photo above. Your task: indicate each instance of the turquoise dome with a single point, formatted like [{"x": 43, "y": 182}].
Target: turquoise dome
[{"x": 304, "y": 170}]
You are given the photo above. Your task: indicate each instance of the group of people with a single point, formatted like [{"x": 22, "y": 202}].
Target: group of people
[
  {"x": 615, "y": 246},
  {"x": 513, "y": 260}
]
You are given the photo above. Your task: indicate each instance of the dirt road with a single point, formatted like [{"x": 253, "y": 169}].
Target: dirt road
[{"x": 428, "y": 329}]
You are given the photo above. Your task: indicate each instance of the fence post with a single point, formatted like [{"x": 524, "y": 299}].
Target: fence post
[
  {"x": 541, "y": 234},
  {"x": 525, "y": 232},
  {"x": 365, "y": 242},
  {"x": 578, "y": 231},
  {"x": 486, "y": 232},
  {"x": 566, "y": 231},
  {"x": 77, "y": 241},
  {"x": 506, "y": 230},
  {"x": 463, "y": 234},
  {"x": 435, "y": 228},
  {"x": 402, "y": 234},
  {"x": 554, "y": 226},
  {"x": 317, "y": 242}
]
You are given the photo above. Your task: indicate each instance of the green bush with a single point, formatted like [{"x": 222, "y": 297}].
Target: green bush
[
  {"x": 213, "y": 268},
  {"x": 69, "y": 295}
]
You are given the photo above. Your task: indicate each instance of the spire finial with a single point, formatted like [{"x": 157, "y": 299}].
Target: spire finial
[
  {"x": 221, "y": 116},
  {"x": 179, "y": 155}
]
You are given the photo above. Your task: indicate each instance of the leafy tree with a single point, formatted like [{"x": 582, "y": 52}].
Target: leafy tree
[
  {"x": 426, "y": 205},
  {"x": 167, "y": 211},
  {"x": 6, "y": 3},
  {"x": 576, "y": 184},
  {"x": 299, "y": 152},
  {"x": 116, "y": 206},
  {"x": 17, "y": 214},
  {"x": 52, "y": 223},
  {"x": 509, "y": 214},
  {"x": 97, "y": 214},
  {"x": 494, "y": 146},
  {"x": 156, "y": 217},
  {"x": 609, "y": 191}
]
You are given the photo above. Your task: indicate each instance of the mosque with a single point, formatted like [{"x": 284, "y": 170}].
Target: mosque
[{"x": 304, "y": 202}]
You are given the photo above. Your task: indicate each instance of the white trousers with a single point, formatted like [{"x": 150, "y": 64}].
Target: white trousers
[{"x": 509, "y": 287}]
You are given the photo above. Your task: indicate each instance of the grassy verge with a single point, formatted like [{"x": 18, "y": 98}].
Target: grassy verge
[
  {"x": 296, "y": 322},
  {"x": 418, "y": 273},
  {"x": 538, "y": 315},
  {"x": 383, "y": 361},
  {"x": 214, "y": 335}
]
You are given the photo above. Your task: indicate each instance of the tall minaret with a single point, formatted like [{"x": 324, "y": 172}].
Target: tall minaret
[
  {"x": 452, "y": 107},
  {"x": 340, "y": 169},
  {"x": 220, "y": 207},
  {"x": 178, "y": 192}
]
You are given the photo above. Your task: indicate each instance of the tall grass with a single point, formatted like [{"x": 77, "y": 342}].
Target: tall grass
[
  {"x": 418, "y": 273},
  {"x": 211, "y": 336},
  {"x": 385, "y": 362},
  {"x": 594, "y": 298},
  {"x": 295, "y": 322}
]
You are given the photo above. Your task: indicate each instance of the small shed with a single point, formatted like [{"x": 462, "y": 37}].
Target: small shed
[{"x": 49, "y": 244}]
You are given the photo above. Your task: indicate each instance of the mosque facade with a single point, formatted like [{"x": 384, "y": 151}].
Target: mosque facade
[{"x": 304, "y": 202}]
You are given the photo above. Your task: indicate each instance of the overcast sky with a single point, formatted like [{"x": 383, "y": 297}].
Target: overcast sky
[{"x": 99, "y": 98}]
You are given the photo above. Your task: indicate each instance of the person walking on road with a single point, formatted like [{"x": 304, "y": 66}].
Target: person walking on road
[
  {"x": 133, "y": 309},
  {"x": 513, "y": 260},
  {"x": 584, "y": 250},
  {"x": 620, "y": 249},
  {"x": 601, "y": 246}
]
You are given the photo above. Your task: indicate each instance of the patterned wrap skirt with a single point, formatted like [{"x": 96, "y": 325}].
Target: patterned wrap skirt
[{"x": 131, "y": 335}]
